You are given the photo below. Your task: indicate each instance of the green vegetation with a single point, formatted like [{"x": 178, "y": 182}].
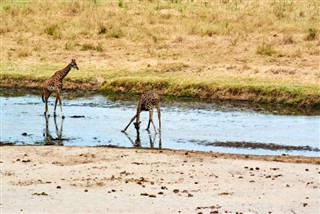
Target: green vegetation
[
  {"x": 181, "y": 85},
  {"x": 263, "y": 51},
  {"x": 312, "y": 34}
]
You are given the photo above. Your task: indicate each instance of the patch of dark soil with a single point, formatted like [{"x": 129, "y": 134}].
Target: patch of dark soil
[
  {"x": 252, "y": 145},
  {"x": 11, "y": 82},
  {"x": 68, "y": 93},
  {"x": 6, "y": 143},
  {"x": 109, "y": 146},
  {"x": 77, "y": 116}
]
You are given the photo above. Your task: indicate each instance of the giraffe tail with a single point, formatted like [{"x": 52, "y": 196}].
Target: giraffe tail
[{"x": 43, "y": 98}]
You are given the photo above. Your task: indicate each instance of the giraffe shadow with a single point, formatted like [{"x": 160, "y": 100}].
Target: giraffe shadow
[
  {"x": 152, "y": 140},
  {"x": 48, "y": 136}
]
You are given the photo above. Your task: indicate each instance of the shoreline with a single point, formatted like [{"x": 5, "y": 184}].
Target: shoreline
[
  {"x": 284, "y": 158},
  {"x": 309, "y": 104}
]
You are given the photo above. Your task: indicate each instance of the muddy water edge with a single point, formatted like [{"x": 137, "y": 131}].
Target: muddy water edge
[{"x": 93, "y": 119}]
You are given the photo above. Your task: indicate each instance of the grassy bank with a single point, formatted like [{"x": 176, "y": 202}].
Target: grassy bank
[
  {"x": 170, "y": 83},
  {"x": 262, "y": 51}
]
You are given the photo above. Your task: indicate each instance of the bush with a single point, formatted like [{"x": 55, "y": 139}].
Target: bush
[
  {"x": 24, "y": 53},
  {"x": 88, "y": 46},
  {"x": 53, "y": 30},
  {"x": 114, "y": 32},
  {"x": 265, "y": 49},
  {"x": 120, "y": 3},
  {"x": 312, "y": 34},
  {"x": 102, "y": 30}
]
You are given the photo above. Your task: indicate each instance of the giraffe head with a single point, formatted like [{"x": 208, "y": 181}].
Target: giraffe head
[{"x": 74, "y": 64}]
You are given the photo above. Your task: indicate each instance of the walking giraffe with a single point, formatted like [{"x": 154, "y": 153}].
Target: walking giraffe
[
  {"x": 54, "y": 83},
  {"x": 147, "y": 101}
]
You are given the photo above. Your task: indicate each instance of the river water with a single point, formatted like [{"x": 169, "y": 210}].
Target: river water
[{"x": 97, "y": 120}]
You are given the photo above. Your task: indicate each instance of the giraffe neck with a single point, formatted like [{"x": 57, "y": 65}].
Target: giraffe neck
[{"x": 61, "y": 74}]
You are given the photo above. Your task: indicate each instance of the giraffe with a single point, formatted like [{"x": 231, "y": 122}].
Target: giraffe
[
  {"x": 54, "y": 83},
  {"x": 147, "y": 101}
]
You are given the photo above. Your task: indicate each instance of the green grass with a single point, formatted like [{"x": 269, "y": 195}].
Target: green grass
[{"x": 169, "y": 83}]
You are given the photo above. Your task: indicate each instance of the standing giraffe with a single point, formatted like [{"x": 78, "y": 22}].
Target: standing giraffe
[
  {"x": 147, "y": 101},
  {"x": 54, "y": 83}
]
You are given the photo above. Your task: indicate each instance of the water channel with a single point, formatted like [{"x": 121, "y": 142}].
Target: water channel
[{"x": 96, "y": 120}]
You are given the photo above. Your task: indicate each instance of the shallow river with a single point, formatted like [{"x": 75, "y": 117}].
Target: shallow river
[{"x": 97, "y": 121}]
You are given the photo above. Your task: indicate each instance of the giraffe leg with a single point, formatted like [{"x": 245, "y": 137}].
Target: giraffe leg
[
  {"x": 151, "y": 141},
  {"x": 160, "y": 142},
  {"x": 55, "y": 106},
  {"x": 46, "y": 98},
  {"x": 55, "y": 124},
  {"x": 150, "y": 118},
  {"x": 59, "y": 97},
  {"x": 130, "y": 122},
  {"x": 46, "y": 108},
  {"x": 159, "y": 116},
  {"x": 151, "y": 121}
]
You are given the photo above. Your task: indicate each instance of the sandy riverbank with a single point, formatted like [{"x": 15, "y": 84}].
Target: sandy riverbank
[{"x": 111, "y": 180}]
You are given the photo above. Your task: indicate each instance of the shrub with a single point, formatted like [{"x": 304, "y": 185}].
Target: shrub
[
  {"x": 102, "y": 30},
  {"x": 265, "y": 49},
  {"x": 53, "y": 30},
  {"x": 120, "y": 3},
  {"x": 68, "y": 46},
  {"x": 88, "y": 46},
  {"x": 312, "y": 34},
  {"x": 99, "y": 48},
  {"x": 114, "y": 32},
  {"x": 24, "y": 53}
]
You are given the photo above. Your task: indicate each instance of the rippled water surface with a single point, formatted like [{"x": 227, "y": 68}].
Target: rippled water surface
[{"x": 97, "y": 121}]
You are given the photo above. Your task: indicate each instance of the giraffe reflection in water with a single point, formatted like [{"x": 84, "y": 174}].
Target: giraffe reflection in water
[
  {"x": 152, "y": 139},
  {"x": 48, "y": 138}
]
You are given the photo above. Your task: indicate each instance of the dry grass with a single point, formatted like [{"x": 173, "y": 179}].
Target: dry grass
[{"x": 200, "y": 45}]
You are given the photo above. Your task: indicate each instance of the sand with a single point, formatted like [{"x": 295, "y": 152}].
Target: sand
[{"x": 53, "y": 179}]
